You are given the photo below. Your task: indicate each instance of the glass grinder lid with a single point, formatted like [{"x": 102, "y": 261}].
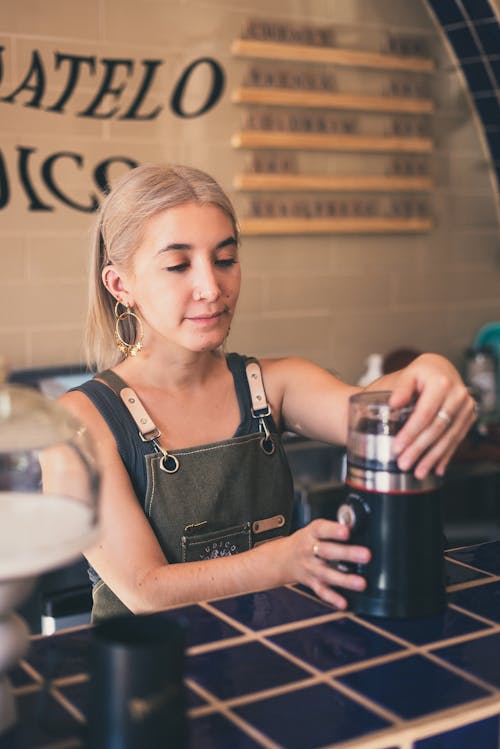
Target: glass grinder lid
[
  {"x": 49, "y": 484},
  {"x": 372, "y": 427}
]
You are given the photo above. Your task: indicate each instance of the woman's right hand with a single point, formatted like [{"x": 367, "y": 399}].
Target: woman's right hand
[{"x": 310, "y": 550}]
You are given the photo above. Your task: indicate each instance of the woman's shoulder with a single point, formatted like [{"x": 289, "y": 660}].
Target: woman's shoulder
[
  {"x": 270, "y": 363},
  {"x": 275, "y": 368},
  {"x": 286, "y": 366},
  {"x": 279, "y": 373},
  {"x": 294, "y": 377},
  {"x": 85, "y": 410},
  {"x": 78, "y": 403},
  {"x": 297, "y": 375}
]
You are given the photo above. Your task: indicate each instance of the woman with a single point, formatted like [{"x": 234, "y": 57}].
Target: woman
[{"x": 192, "y": 465}]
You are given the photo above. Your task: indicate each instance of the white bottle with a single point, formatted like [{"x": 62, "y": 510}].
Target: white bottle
[{"x": 373, "y": 370}]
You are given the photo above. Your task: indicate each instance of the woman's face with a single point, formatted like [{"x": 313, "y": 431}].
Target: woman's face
[{"x": 185, "y": 277}]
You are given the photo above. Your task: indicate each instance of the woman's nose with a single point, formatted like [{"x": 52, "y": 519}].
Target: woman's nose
[{"x": 206, "y": 286}]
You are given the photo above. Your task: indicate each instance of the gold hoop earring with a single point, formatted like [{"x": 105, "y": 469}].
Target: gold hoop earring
[{"x": 128, "y": 349}]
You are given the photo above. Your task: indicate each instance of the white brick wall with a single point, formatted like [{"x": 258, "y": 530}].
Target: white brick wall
[{"x": 334, "y": 299}]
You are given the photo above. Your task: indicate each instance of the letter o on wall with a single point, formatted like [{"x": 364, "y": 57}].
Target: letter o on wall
[{"x": 214, "y": 94}]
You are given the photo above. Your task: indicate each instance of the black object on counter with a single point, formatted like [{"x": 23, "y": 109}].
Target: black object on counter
[
  {"x": 136, "y": 685},
  {"x": 394, "y": 514},
  {"x": 480, "y": 376}
]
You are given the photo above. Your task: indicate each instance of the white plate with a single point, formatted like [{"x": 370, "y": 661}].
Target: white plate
[{"x": 39, "y": 532}]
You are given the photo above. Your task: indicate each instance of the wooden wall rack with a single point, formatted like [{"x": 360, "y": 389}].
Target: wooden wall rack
[
  {"x": 268, "y": 182},
  {"x": 282, "y": 97},
  {"x": 328, "y": 142},
  {"x": 313, "y": 141},
  {"x": 375, "y": 225},
  {"x": 254, "y": 48}
]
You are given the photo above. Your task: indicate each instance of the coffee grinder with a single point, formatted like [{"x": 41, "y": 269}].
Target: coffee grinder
[{"x": 394, "y": 514}]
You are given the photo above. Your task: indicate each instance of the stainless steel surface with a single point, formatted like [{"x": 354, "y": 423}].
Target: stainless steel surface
[
  {"x": 313, "y": 462},
  {"x": 388, "y": 482},
  {"x": 377, "y": 448}
]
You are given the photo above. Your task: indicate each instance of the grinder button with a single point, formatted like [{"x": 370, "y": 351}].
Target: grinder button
[{"x": 347, "y": 515}]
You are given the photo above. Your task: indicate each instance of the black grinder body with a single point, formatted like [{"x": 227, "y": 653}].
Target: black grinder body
[
  {"x": 397, "y": 516},
  {"x": 405, "y": 577}
]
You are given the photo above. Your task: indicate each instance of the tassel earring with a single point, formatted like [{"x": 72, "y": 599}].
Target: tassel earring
[{"x": 134, "y": 325}]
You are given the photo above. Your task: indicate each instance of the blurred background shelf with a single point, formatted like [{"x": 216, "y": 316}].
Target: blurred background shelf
[
  {"x": 254, "y": 48},
  {"x": 328, "y": 142},
  {"x": 331, "y": 183},
  {"x": 284, "y": 97},
  {"x": 351, "y": 225}
]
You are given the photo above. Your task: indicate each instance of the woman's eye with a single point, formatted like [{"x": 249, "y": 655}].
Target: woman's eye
[
  {"x": 178, "y": 268},
  {"x": 226, "y": 262}
]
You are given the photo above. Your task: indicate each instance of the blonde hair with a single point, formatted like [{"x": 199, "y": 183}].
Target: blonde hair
[{"x": 138, "y": 196}]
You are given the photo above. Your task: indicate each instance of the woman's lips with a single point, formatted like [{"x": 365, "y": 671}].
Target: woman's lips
[{"x": 205, "y": 319}]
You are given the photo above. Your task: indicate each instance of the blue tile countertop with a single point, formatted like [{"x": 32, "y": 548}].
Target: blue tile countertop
[{"x": 281, "y": 669}]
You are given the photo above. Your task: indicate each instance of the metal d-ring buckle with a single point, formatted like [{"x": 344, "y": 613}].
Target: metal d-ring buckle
[
  {"x": 168, "y": 463},
  {"x": 150, "y": 435},
  {"x": 267, "y": 442}
]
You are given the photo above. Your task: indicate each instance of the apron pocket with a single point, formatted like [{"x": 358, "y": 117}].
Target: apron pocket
[{"x": 216, "y": 543}]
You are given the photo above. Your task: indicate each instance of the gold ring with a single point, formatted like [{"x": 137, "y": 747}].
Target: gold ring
[
  {"x": 316, "y": 550},
  {"x": 442, "y": 414}
]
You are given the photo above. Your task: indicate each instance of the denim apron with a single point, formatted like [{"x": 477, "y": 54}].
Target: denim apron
[{"x": 211, "y": 500}]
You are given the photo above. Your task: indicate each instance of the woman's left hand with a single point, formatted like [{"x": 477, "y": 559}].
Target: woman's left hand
[{"x": 443, "y": 414}]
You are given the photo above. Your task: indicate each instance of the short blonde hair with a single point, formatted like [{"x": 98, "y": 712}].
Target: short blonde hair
[{"x": 138, "y": 196}]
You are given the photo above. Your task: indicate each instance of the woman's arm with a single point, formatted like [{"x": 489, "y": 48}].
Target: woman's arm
[
  {"x": 130, "y": 561},
  {"x": 309, "y": 400},
  {"x": 314, "y": 403}
]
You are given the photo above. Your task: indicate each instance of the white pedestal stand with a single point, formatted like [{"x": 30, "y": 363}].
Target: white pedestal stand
[
  {"x": 36, "y": 535},
  {"x": 14, "y": 635}
]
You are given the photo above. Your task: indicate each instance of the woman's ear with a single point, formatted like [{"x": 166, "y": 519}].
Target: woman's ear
[{"x": 116, "y": 285}]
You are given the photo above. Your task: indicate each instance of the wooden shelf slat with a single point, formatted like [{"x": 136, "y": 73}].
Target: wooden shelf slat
[
  {"x": 282, "y": 97},
  {"x": 352, "y": 58},
  {"x": 378, "y": 225},
  {"x": 327, "y": 142},
  {"x": 340, "y": 183}
]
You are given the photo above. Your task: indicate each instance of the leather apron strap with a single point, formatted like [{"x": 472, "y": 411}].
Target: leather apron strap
[
  {"x": 149, "y": 432},
  {"x": 260, "y": 406}
]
